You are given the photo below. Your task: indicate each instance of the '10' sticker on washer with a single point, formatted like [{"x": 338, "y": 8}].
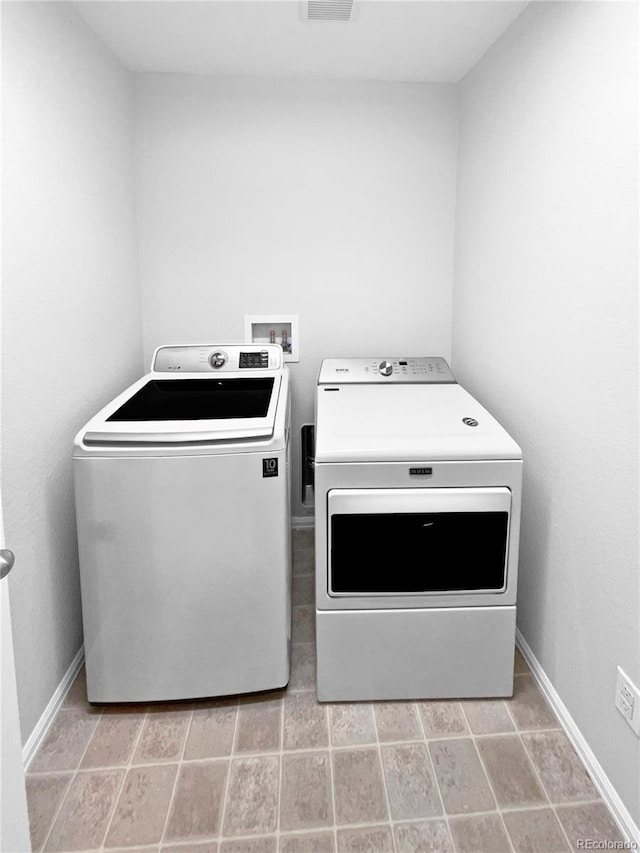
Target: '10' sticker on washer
[{"x": 270, "y": 467}]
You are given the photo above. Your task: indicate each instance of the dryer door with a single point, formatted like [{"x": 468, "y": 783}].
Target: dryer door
[{"x": 418, "y": 542}]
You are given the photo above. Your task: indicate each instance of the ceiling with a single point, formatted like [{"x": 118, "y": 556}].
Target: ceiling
[{"x": 402, "y": 40}]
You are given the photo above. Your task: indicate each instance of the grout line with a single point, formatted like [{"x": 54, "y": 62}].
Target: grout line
[
  {"x": 177, "y": 776},
  {"x": 544, "y": 788},
  {"x": 126, "y": 768},
  {"x": 493, "y": 793},
  {"x": 432, "y": 767},
  {"x": 281, "y": 760},
  {"x": 74, "y": 773},
  {"x": 384, "y": 778},
  {"x": 223, "y": 811}
]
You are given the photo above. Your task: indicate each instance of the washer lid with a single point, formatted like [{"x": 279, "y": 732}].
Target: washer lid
[
  {"x": 412, "y": 422},
  {"x": 187, "y": 409}
]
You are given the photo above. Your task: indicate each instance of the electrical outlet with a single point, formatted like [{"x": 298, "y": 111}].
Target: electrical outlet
[{"x": 628, "y": 700}]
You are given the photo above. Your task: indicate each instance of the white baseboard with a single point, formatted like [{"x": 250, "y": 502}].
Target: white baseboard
[
  {"x": 300, "y": 522},
  {"x": 620, "y": 813},
  {"x": 42, "y": 726}
]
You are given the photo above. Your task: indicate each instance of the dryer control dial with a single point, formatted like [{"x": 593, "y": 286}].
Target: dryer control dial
[
  {"x": 218, "y": 359},
  {"x": 385, "y": 368}
]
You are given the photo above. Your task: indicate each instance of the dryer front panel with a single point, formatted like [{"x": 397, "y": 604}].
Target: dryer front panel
[{"x": 430, "y": 546}]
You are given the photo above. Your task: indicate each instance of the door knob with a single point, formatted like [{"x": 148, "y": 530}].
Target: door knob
[{"x": 7, "y": 559}]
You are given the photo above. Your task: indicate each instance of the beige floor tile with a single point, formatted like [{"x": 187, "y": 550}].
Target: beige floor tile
[
  {"x": 305, "y": 798},
  {"x": 259, "y": 723},
  {"x": 267, "y": 844},
  {"x": 487, "y": 716},
  {"x": 202, "y": 847},
  {"x": 305, "y": 722},
  {"x": 479, "y": 834},
  {"x": 83, "y": 819},
  {"x": 397, "y": 721},
  {"x": 304, "y": 562},
  {"x": 463, "y": 784},
  {"x": 528, "y": 706},
  {"x": 44, "y": 795},
  {"x": 196, "y": 809},
  {"x": 442, "y": 718},
  {"x": 351, "y": 724},
  {"x": 310, "y": 842},
  {"x": 163, "y": 734},
  {"x": 592, "y": 821},
  {"x": 303, "y": 667},
  {"x": 114, "y": 738},
  {"x": 142, "y": 807},
  {"x": 519, "y": 663},
  {"x": 77, "y": 695},
  {"x": 358, "y": 786},
  {"x": 303, "y": 625},
  {"x": 429, "y": 836},
  {"x": 560, "y": 769},
  {"x": 252, "y": 797},
  {"x": 304, "y": 590},
  {"x": 66, "y": 741},
  {"x": 535, "y": 831},
  {"x": 211, "y": 730},
  {"x": 365, "y": 840},
  {"x": 510, "y": 771},
  {"x": 411, "y": 785},
  {"x": 302, "y": 538}
]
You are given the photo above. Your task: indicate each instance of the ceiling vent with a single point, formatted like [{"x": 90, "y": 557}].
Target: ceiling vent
[{"x": 327, "y": 10}]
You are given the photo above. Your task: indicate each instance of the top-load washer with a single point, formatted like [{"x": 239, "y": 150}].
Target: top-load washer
[
  {"x": 182, "y": 502},
  {"x": 417, "y": 507}
]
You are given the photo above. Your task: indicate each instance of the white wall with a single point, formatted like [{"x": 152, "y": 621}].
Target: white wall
[
  {"x": 71, "y": 308},
  {"x": 330, "y": 200},
  {"x": 546, "y": 334}
]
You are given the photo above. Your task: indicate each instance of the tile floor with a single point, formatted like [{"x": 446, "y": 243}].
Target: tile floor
[{"x": 279, "y": 773}]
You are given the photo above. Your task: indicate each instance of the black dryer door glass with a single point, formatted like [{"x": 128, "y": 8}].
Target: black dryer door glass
[
  {"x": 405, "y": 553},
  {"x": 197, "y": 399}
]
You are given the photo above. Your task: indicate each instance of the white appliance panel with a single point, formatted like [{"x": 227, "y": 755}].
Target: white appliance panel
[
  {"x": 394, "y": 479},
  {"x": 385, "y": 371},
  {"x": 369, "y": 423},
  {"x": 401, "y": 614},
  {"x": 394, "y": 543},
  {"x": 185, "y": 575},
  {"x": 366, "y": 655}
]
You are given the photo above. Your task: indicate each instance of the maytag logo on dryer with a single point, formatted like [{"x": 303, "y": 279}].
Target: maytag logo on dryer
[{"x": 421, "y": 472}]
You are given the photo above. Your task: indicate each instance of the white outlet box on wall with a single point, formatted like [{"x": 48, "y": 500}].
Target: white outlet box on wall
[
  {"x": 627, "y": 700},
  {"x": 274, "y": 328}
]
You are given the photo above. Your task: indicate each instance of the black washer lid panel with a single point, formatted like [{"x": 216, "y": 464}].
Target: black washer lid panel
[{"x": 197, "y": 399}]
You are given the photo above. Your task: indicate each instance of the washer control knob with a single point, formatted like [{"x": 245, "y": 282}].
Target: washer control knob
[
  {"x": 385, "y": 368},
  {"x": 218, "y": 359}
]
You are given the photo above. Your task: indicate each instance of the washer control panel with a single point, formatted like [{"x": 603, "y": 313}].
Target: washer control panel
[
  {"x": 217, "y": 358},
  {"x": 384, "y": 371}
]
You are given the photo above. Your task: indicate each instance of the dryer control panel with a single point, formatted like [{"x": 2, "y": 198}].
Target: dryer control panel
[
  {"x": 217, "y": 358},
  {"x": 385, "y": 371}
]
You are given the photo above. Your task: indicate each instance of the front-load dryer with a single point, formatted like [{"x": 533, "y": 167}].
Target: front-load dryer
[
  {"x": 417, "y": 513},
  {"x": 182, "y": 503}
]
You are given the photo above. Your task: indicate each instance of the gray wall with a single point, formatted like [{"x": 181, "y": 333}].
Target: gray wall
[
  {"x": 71, "y": 308},
  {"x": 546, "y": 334},
  {"x": 330, "y": 200}
]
